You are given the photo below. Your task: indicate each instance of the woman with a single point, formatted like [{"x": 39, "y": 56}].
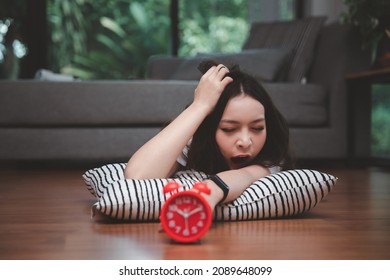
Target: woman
[{"x": 231, "y": 129}]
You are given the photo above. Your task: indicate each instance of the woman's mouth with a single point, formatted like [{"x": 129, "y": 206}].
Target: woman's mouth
[{"x": 240, "y": 160}]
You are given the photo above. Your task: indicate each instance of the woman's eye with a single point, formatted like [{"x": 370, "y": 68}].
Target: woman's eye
[
  {"x": 258, "y": 128},
  {"x": 228, "y": 129}
]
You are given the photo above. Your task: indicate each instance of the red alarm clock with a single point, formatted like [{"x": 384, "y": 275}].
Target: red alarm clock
[{"x": 186, "y": 216}]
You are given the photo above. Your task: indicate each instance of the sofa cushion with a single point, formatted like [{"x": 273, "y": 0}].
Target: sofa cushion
[
  {"x": 283, "y": 194},
  {"x": 301, "y": 105},
  {"x": 298, "y": 35},
  {"x": 263, "y": 64}
]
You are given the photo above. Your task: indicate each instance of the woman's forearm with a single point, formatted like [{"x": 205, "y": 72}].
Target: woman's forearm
[
  {"x": 237, "y": 180},
  {"x": 157, "y": 157}
]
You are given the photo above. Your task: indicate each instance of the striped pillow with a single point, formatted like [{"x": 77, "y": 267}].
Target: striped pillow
[
  {"x": 298, "y": 35},
  {"x": 283, "y": 194}
]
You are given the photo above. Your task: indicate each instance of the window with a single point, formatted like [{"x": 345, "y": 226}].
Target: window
[
  {"x": 223, "y": 25},
  {"x": 106, "y": 39},
  {"x": 113, "y": 39},
  {"x": 212, "y": 26},
  {"x": 380, "y": 120}
]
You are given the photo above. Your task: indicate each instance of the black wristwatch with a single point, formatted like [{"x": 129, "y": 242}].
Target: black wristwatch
[{"x": 222, "y": 185}]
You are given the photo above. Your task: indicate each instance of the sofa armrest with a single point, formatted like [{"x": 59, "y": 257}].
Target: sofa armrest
[{"x": 162, "y": 67}]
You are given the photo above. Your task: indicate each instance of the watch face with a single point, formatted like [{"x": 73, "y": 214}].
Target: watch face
[{"x": 186, "y": 216}]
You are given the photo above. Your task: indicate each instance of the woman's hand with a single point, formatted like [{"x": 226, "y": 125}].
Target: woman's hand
[{"x": 211, "y": 86}]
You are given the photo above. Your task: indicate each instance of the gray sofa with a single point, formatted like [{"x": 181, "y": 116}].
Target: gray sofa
[{"x": 106, "y": 121}]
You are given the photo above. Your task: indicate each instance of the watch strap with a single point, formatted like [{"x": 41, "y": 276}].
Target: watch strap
[{"x": 222, "y": 185}]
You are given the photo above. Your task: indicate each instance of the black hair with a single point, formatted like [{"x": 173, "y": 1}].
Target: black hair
[{"x": 204, "y": 154}]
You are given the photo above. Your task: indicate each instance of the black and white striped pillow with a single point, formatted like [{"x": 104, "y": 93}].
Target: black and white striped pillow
[{"x": 283, "y": 194}]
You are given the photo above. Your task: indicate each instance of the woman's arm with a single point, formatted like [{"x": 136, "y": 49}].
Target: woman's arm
[
  {"x": 157, "y": 157},
  {"x": 237, "y": 180}
]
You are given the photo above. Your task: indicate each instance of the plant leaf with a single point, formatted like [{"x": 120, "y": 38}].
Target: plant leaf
[{"x": 110, "y": 24}]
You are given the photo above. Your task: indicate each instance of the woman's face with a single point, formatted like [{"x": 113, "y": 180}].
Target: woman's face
[{"x": 241, "y": 132}]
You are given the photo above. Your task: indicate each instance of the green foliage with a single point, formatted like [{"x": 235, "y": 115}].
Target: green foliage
[
  {"x": 380, "y": 130},
  {"x": 224, "y": 34},
  {"x": 68, "y": 32},
  {"x": 113, "y": 39},
  {"x": 12, "y": 48},
  {"x": 117, "y": 37},
  {"x": 212, "y": 26}
]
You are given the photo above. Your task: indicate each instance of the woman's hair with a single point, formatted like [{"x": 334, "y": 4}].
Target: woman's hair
[{"x": 204, "y": 154}]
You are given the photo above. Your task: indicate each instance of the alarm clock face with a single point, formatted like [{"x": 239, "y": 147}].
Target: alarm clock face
[{"x": 186, "y": 216}]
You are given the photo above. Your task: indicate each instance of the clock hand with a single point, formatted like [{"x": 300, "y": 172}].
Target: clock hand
[
  {"x": 196, "y": 210},
  {"x": 181, "y": 213},
  {"x": 186, "y": 223}
]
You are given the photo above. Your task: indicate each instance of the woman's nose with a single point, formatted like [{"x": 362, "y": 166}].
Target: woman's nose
[{"x": 244, "y": 140}]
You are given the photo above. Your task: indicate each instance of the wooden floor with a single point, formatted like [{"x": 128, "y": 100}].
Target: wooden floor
[{"x": 45, "y": 214}]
